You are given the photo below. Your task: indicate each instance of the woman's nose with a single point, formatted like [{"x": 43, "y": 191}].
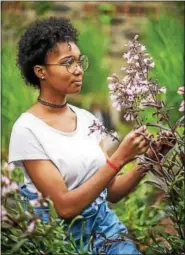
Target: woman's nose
[{"x": 78, "y": 70}]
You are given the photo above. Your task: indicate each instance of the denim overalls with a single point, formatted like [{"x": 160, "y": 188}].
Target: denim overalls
[{"x": 100, "y": 222}]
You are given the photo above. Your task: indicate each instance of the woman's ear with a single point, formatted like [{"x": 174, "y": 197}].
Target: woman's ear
[{"x": 39, "y": 72}]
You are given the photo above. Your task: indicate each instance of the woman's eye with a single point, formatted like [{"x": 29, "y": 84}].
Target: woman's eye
[{"x": 69, "y": 61}]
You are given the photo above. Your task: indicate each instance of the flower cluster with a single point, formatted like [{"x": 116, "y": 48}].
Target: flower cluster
[
  {"x": 182, "y": 105},
  {"x": 98, "y": 127},
  {"x": 8, "y": 186},
  {"x": 135, "y": 91}
]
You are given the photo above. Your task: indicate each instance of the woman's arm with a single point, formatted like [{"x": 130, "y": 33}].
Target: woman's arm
[
  {"x": 50, "y": 183},
  {"x": 70, "y": 203},
  {"x": 122, "y": 185}
]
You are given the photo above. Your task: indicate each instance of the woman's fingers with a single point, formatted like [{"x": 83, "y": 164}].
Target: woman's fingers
[
  {"x": 142, "y": 133},
  {"x": 166, "y": 137},
  {"x": 144, "y": 149}
]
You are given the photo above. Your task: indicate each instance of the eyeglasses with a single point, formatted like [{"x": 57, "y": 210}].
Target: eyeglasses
[{"x": 71, "y": 64}]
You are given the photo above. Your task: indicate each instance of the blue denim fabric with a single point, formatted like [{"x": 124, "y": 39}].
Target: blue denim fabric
[{"x": 98, "y": 221}]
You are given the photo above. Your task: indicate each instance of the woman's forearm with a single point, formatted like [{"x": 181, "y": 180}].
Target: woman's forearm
[
  {"x": 76, "y": 200},
  {"x": 124, "y": 184}
]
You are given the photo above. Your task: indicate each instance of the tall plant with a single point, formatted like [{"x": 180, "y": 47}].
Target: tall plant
[{"x": 135, "y": 93}]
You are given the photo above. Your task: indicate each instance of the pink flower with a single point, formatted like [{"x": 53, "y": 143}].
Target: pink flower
[
  {"x": 180, "y": 90},
  {"x": 163, "y": 90},
  {"x": 151, "y": 65},
  {"x": 3, "y": 213},
  {"x": 5, "y": 180},
  {"x": 113, "y": 97},
  {"x": 143, "y": 48},
  {"x": 126, "y": 55},
  {"x": 117, "y": 106},
  {"x": 13, "y": 187},
  {"x": 136, "y": 37},
  {"x": 133, "y": 91},
  {"x": 11, "y": 167},
  {"x": 31, "y": 226},
  {"x": 4, "y": 191},
  {"x": 35, "y": 202},
  {"x": 182, "y": 106},
  {"x": 112, "y": 86},
  {"x": 129, "y": 117}
]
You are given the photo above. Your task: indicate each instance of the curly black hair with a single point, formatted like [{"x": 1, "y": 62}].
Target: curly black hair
[{"x": 40, "y": 37}]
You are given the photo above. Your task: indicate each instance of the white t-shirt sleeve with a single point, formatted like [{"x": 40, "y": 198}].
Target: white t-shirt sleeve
[{"x": 24, "y": 146}]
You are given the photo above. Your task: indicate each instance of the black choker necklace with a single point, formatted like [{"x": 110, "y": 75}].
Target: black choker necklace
[{"x": 51, "y": 105}]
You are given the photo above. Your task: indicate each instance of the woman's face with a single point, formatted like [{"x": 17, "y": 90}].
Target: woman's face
[{"x": 57, "y": 77}]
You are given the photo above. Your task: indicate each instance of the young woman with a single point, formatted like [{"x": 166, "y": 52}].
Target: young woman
[{"x": 51, "y": 141}]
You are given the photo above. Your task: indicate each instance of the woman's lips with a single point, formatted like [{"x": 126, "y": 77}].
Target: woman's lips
[{"x": 78, "y": 83}]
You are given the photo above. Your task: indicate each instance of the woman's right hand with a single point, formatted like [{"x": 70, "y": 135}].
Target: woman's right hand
[{"x": 135, "y": 143}]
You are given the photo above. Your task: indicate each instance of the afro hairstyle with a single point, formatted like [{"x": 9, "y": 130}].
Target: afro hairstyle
[{"x": 40, "y": 37}]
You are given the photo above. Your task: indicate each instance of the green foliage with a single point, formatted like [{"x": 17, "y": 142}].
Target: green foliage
[
  {"x": 105, "y": 13},
  {"x": 24, "y": 233},
  {"x": 94, "y": 44},
  {"x": 16, "y": 97},
  {"x": 164, "y": 39},
  {"x": 42, "y": 7},
  {"x": 139, "y": 214}
]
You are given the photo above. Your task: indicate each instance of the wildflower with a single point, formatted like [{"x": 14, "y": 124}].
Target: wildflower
[
  {"x": 5, "y": 180},
  {"x": 182, "y": 106},
  {"x": 97, "y": 126},
  {"x": 10, "y": 167},
  {"x": 3, "y": 213},
  {"x": 129, "y": 117},
  {"x": 143, "y": 48},
  {"x": 112, "y": 86},
  {"x": 35, "y": 202},
  {"x": 117, "y": 105},
  {"x": 9, "y": 186},
  {"x": 113, "y": 97},
  {"x": 180, "y": 90},
  {"x": 151, "y": 65},
  {"x": 31, "y": 226},
  {"x": 163, "y": 90},
  {"x": 13, "y": 186},
  {"x": 134, "y": 90},
  {"x": 136, "y": 37}
]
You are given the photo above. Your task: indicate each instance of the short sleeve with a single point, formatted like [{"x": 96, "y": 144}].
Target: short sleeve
[{"x": 24, "y": 145}]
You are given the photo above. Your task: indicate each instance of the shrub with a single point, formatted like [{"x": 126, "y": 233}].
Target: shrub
[
  {"x": 164, "y": 38},
  {"x": 16, "y": 97}
]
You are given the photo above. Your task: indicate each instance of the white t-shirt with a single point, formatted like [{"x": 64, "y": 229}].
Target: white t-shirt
[{"x": 77, "y": 155}]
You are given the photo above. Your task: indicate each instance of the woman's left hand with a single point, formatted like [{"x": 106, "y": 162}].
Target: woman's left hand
[{"x": 164, "y": 142}]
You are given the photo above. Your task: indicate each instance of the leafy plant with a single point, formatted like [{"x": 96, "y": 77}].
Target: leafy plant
[
  {"x": 16, "y": 97},
  {"x": 164, "y": 38},
  {"x": 140, "y": 213},
  {"x": 22, "y": 232},
  {"x": 135, "y": 93}
]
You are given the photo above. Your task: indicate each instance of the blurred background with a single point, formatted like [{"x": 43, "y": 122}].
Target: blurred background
[{"x": 105, "y": 28}]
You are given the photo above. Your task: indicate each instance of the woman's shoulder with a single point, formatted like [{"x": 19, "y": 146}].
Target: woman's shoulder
[{"x": 24, "y": 121}]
